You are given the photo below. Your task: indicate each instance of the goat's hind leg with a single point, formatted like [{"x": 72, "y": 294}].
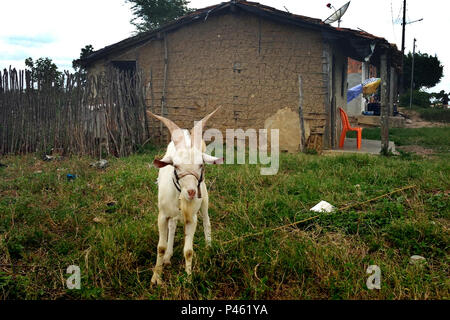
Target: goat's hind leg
[
  {"x": 162, "y": 246},
  {"x": 206, "y": 222}
]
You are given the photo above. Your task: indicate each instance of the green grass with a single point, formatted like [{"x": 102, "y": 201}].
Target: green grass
[
  {"x": 47, "y": 223},
  {"x": 433, "y": 114},
  {"x": 436, "y": 138}
]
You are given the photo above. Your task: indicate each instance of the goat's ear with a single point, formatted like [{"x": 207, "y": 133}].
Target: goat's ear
[
  {"x": 212, "y": 160},
  {"x": 161, "y": 163}
]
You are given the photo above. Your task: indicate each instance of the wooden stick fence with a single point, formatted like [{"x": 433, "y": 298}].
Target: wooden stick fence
[{"x": 103, "y": 115}]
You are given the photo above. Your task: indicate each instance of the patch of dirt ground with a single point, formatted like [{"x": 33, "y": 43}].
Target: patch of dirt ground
[
  {"x": 413, "y": 119},
  {"x": 416, "y": 149}
]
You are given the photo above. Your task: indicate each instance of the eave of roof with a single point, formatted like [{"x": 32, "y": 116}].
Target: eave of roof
[{"x": 251, "y": 7}]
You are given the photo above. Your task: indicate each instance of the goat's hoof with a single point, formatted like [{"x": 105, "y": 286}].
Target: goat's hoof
[
  {"x": 166, "y": 262},
  {"x": 156, "y": 279}
]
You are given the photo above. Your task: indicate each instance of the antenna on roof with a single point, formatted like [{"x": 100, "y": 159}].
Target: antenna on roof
[
  {"x": 286, "y": 9},
  {"x": 337, "y": 15},
  {"x": 361, "y": 30}
]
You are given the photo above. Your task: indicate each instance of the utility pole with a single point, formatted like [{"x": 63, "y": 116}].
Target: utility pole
[
  {"x": 412, "y": 74},
  {"x": 404, "y": 23},
  {"x": 403, "y": 46}
]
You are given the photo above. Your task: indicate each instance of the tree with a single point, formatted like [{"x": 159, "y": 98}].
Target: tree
[
  {"x": 76, "y": 65},
  {"x": 44, "y": 71},
  {"x": 441, "y": 96},
  {"x": 151, "y": 14},
  {"x": 428, "y": 70},
  {"x": 85, "y": 52}
]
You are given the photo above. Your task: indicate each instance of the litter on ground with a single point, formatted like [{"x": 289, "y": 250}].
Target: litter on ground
[{"x": 323, "y": 206}]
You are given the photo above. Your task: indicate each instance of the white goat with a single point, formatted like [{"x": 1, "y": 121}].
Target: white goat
[{"x": 181, "y": 191}]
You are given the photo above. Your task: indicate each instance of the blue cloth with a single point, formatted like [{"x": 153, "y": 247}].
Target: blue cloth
[{"x": 352, "y": 93}]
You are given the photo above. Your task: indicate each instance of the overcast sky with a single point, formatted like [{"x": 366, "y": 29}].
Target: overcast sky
[{"x": 60, "y": 28}]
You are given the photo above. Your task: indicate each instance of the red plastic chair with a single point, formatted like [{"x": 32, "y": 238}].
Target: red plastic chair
[{"x": 346, "y": 127}]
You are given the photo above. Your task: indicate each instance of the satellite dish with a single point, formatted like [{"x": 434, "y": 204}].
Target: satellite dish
[{"x": 337, "y": 15}]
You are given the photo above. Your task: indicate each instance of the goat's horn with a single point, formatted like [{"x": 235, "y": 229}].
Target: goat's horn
[
  {"x": 199, "y": 128},
  {"x": 175, "y": 131}
]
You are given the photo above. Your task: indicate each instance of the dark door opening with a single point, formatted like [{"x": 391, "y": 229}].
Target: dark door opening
[{"x": 128, "y": 79}]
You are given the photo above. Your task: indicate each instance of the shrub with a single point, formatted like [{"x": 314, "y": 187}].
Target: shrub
[
  {"x": 435, "y": 114},
  {"x": 419, "y": 98}
]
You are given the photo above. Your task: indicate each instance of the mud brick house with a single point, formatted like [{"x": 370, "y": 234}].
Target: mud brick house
[{"x": 247, "y": 57}]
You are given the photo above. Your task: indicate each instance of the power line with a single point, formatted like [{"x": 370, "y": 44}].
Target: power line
[
  {"x": 403, "y": 48},
  {"x": 392, "y": 20},
  {"x": 399, "y": 14}
]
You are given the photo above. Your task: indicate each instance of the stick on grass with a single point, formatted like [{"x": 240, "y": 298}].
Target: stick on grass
[{"x": 316, "y": 216}]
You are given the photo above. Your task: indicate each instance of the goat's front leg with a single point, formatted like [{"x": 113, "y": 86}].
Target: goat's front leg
[
  {"x": 189, "y": 231},
  {"x": 169, "y": 251},
  {"x": 206, "y": 222},
  {"x": 162, "y": 246}
]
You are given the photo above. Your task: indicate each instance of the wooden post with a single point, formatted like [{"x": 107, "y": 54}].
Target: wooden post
[
  {"x": 392, "y": 91},
  {"x": 300, "y": 114},
  {"x": 384, "y": 104},
  {"x": 326, "y": 93},
  {"x": 365, "y": 67},
  {"x": 152, "y": 105},
  {"x": 333, "y": 102},
  {"x": 163, "y": 98}
]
